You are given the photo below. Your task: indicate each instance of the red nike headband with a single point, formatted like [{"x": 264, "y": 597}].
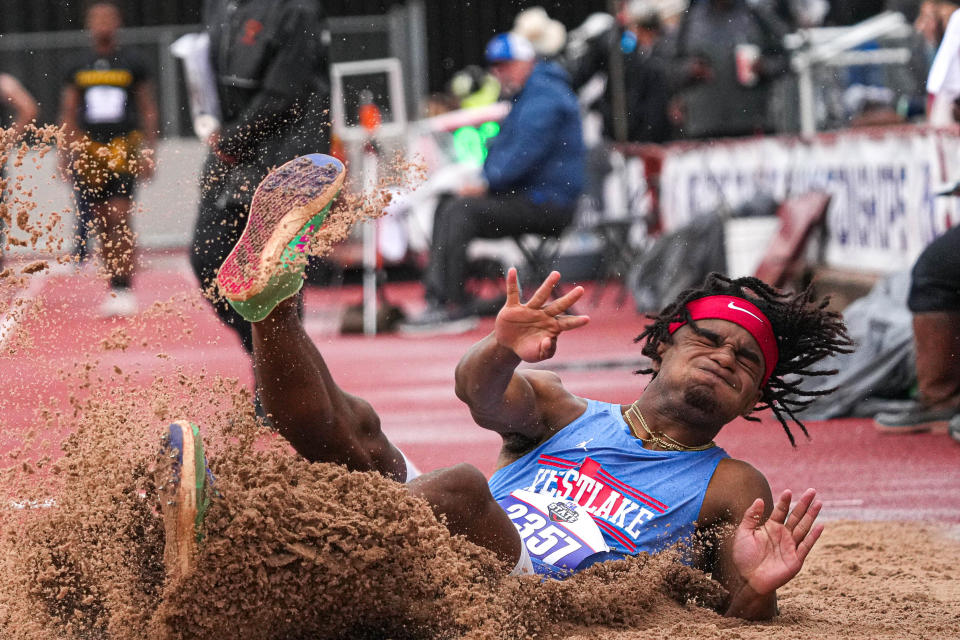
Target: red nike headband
[{"x": 740, "y": 312}]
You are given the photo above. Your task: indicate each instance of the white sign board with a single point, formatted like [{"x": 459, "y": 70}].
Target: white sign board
[
  {"x": 378, "y": 82},
  {"x": 883, "y": 210}
]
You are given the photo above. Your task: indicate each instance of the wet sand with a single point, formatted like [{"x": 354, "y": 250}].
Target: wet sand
[{"x": 298, "y": 550}]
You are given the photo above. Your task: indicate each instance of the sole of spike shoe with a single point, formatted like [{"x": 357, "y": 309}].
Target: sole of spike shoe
[{"x": 289, "y": 206}]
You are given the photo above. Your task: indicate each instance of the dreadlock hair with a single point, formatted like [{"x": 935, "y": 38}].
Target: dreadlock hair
[{"x": 806, "y": 332}]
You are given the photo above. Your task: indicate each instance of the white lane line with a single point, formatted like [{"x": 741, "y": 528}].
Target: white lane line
[
  {"x": 852, "y": 502},
  {"x": 16, "y": 310},
  {"x": 32, "y": 504}
]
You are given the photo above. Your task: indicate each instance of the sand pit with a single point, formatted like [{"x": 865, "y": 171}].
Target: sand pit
[
  {"x": 863, "y": 580},
  {"x": 299, "y": 551},
  {"x": 294, "y": 550}
]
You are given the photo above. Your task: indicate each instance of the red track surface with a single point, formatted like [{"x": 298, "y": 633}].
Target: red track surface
[{"x": 859, "y": 473}]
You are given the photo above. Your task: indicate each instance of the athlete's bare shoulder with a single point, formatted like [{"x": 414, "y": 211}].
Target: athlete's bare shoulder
[
  {"x": 734, "y": 486},
  {"x": 557, "y": 408}
]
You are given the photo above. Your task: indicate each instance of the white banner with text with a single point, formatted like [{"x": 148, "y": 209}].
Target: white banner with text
[{"x": 883, "y": 182}]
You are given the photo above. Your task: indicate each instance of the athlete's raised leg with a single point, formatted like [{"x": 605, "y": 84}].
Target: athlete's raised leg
[
  {"x": 260, "y": 278},
  {"x": 323, "y": 422},
  {"x": 307, "y": 407}
]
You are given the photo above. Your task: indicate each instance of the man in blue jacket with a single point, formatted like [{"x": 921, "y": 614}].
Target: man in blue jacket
[{"x": 533, "y": 176}]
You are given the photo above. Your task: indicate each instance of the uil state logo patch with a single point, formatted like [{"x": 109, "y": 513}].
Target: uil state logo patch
[{"x": 562, "y": 512}]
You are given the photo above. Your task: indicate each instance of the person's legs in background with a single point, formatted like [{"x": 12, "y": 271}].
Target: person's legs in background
[
  {"x": 935, "y": 303},
  {"x": 454, "y": 225},
  {"x": 81, "y": 248},
  {"x": 109, "y": 205},
  {"x": 217, "y": 229},
  {"x": 457, "y": 221}
]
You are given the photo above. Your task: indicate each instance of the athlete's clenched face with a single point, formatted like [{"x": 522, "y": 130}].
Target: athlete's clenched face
[{"x": 714, "y": 370}]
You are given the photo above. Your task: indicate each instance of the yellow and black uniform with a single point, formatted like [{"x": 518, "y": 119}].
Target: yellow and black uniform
[{"x": 108, "y": 160}]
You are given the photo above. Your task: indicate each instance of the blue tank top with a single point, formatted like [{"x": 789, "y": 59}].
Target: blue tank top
[{"x": 642, "y": 500}]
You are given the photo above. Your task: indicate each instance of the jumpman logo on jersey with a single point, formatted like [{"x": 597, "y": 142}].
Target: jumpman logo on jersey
[{"x": 584, "y": 444}]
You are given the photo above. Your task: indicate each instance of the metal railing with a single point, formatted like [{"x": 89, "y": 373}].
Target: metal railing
[
  {"x": 41, "y": 59},
  {"x": 837, "y": 47}
]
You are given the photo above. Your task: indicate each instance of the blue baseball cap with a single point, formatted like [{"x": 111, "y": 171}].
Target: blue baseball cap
[{"x": 504, "y": 47}]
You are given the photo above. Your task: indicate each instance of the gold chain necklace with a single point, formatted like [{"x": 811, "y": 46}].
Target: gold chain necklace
[{"x": 656, "y": 437}]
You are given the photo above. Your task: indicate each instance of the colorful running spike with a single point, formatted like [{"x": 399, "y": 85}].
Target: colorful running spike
[
  {"x": 185, "y": 497},
  {"x": 288, "y": 207}
]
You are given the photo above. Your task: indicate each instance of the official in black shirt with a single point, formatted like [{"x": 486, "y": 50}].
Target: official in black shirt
[{"x": 270, "y": 63}]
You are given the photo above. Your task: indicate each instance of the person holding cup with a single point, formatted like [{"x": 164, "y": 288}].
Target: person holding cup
[{"x": 727, "y": 53}]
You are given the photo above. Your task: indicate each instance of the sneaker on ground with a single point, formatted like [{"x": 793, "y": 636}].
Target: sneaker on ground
[
  {"x": 184, "y": 496},
  {"x": 119, "y": 302},
  {"x": 290, "y": 205},
  {"x": 438, "y": 320},
  {"x": 917, "y": 419},
  {"x": 953, "y": 429}
]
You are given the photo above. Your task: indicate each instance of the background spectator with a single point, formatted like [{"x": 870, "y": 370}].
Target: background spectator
[
  {"x": 533, "y": 173},
  {"x": 646, "y": 85},
  {"x": 727, "y": 52},
  {"x": 110, "y": 122},
  {"x": 941, "y": 32},
  {"x": 547, "y": 36},
  {"x": 642, "y": 35},
  {"x": 473, "y": 86}
]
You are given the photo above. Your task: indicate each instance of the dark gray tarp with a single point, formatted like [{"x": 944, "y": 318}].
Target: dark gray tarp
[
  {"x": 883, "y": 363},
  {"x": 678, "y": 260}
]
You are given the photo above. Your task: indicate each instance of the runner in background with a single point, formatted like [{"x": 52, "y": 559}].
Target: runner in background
[{"x": 110, "y": 121}]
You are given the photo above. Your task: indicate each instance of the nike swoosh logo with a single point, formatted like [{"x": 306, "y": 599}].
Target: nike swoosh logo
[{"x": 734, "y": 306}]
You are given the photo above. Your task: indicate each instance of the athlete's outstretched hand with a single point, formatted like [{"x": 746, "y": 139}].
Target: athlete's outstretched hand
[
  {"x": 768, "y": 554},
  {"x": 531, "y": 329}
]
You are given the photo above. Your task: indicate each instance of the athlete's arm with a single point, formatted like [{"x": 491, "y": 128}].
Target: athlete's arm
[
  {"x": 759, "y": 546},
  {"x": 149, "y": 121},
  {"x": 509, "y": 401},
  {"x": 23, "y": 104}
]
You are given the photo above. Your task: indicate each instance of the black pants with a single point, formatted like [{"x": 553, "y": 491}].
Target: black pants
[
  {"x": 935, "y": 279},
  {"x": 460, "y": 220},
  {"x": 220, "y": 222}
]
